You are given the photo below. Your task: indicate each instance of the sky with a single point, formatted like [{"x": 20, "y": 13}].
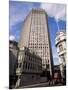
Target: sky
[{"x": 18, "y": 11}]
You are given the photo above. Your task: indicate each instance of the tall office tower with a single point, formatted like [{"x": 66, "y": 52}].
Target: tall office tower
[{"x": 35, "y": 36}]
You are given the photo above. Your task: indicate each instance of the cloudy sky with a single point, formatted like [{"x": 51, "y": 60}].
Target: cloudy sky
[{"x": 18, "y": 11}]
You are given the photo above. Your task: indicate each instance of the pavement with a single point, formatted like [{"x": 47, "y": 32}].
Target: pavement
[
  {"x": 35, "y": 85},
  {"x": 46, "y": 84}
]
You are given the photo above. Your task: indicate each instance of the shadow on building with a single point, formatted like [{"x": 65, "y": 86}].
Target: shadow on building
[{"x": 13, "y": 50}]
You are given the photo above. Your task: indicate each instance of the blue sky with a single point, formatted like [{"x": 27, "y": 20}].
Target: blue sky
[{"x": 56, "y": 14}]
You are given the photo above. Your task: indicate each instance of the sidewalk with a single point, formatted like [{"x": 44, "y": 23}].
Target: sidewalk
[{"x": 34, "y": 85}]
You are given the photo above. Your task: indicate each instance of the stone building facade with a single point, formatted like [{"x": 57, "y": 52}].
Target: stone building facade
[
  {"x": 60, "y": 42},
  {"x": 13, "y": 51},
  {"x": 29, "y": 66}
]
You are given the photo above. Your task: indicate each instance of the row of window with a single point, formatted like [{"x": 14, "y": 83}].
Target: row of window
[
  {"x": 37, "y": 46},
  {"x": 39, "y": 63},
  {"x": 40, "y": 44},
  {"x": 32, "y": 59},
  {"x": 35, "y": 59},
  {"x": 29, "y": 58},
  {"x": 30, "y": 66},
  {"x": 38, "y": 15},
  {"x": 37, "y": 39},
  {"x": 40, "y": 40},
  {"x": 38, "y": 21},
  {"x": 27, "y": 53},
  {"x": 38, "y": 18},
  {"x": 37, "y": 27},
  {"x": 37, "y": 33},
  {"x": 38, "y": 36},
  {"x": 37, "y": 24}
]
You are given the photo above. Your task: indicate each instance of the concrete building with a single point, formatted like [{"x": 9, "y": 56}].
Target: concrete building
[
  {"x": 13, "y": 51},
  {"x": 60, "y": 43},
  {"x": 35, "y": 36},
  {"x": 29, "y": 67}
]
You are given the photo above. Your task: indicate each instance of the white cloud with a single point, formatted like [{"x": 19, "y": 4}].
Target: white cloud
[
  {"x": 58, "y": 11},
  {"x": 18, "y": 13},
  {"x": 16, "y": 17},
  {"x": 12, "y": 37}
]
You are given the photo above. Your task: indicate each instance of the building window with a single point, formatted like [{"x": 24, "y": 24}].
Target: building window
[
  {"x": 47, "y": 66},
  {"x": 20, "y": 57},
  {"x": 25, "y": 53},
  {"x": 29, "y": 66},
  {"x": 60, "y": 48},
  {"x": 26, "y": 65},
  {"x": 63, "y": 58},
  {"x": 19, "y": 65},
  {"x": 43, "y": 64}
]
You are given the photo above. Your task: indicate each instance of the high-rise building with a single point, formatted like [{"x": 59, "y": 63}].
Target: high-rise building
[{"x": 35, "y": 36}]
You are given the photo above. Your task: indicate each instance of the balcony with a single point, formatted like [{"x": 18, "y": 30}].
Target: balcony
[
  {"x": 59, "y": 39},
  {"x": 61, "y": 52}
]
